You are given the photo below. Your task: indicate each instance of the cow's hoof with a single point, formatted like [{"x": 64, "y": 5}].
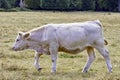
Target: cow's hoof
[
  {"x": 53, "y": 72},
  {"x": 84, "y": 71},
  {"x": 39, "y": 69}
]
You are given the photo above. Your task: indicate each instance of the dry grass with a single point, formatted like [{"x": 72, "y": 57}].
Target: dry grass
[{"x": 19, "y": 65}]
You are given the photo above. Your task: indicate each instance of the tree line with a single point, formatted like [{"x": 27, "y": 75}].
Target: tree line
[{"x": 66, "y": 5}]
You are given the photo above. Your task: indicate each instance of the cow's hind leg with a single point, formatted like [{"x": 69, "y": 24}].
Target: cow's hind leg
[
  {"x": 105, "y": 53},
  {"x": 91, "y": 57}
]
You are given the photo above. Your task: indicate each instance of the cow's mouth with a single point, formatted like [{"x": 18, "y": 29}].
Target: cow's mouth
[{"x": 18, "y": 49}]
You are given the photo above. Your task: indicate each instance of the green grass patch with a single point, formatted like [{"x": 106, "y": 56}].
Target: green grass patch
[{"x": 19, "y": 65}]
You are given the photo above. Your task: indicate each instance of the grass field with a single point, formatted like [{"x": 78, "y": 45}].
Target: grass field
[{"x": 19, "y": 65}]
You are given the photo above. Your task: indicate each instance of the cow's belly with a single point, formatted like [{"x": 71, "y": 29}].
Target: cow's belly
[
  {"x": 72, "y": 50},
  {"x": 73, "y": 46}
]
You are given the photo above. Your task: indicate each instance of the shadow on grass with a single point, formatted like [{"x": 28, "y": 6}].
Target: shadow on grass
[
  {"x": 64, "y": 55},
  {"x": 65, "y": 74},
  {"x": 12, "y": 67}
]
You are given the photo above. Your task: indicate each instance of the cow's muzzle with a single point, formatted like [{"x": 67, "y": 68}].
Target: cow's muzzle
[{"x": 15, "y": 49}]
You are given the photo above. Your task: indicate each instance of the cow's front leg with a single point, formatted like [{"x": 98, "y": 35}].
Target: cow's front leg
[
  {"x": 54, "y": 60},
  {"x": 53, "y": 54},
  {"x": 36, "y": 63}
]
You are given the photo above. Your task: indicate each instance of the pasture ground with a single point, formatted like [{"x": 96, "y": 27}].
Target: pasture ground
[{"x": 19, "y": 65}]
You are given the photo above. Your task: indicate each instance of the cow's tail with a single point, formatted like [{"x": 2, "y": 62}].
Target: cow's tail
[
  {"x": 105, "y": 42},
  {"x": 100, "y": 24}
]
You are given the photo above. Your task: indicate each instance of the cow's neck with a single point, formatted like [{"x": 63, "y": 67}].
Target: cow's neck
[
  {"x": 37, "y": 34},
  {"x": 38, "y": 48}
]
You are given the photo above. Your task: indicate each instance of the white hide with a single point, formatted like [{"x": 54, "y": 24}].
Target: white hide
[{"x": 71, "y": 38}]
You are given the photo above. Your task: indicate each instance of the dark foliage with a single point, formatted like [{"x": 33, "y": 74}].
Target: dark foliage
[{"x": 94, "y": 5}]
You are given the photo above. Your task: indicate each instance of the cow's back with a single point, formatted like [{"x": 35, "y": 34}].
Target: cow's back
[{"x": 77, "y": 35}]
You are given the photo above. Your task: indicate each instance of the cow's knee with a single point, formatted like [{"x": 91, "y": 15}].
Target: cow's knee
[{"x": 92, "y": 58}]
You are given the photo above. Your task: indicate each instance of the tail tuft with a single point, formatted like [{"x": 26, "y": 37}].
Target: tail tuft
[{"x": 105, "y": 42}]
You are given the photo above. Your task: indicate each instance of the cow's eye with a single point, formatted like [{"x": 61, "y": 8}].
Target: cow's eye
[{"x": 17, "y": 40}]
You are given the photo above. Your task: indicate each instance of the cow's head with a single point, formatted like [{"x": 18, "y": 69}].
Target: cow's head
[{"x": 21, "y": 41}]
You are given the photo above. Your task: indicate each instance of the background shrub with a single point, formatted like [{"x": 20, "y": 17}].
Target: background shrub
[{"x": 33, "y": 4}]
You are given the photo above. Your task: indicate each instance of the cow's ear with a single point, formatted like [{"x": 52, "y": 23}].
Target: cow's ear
[
  {"x": 26, "y": 36},
  {"x": 20, "y": 33}
]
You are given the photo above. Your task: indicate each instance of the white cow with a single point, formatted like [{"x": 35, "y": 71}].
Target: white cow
[{"x": 71, "y": 38}]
